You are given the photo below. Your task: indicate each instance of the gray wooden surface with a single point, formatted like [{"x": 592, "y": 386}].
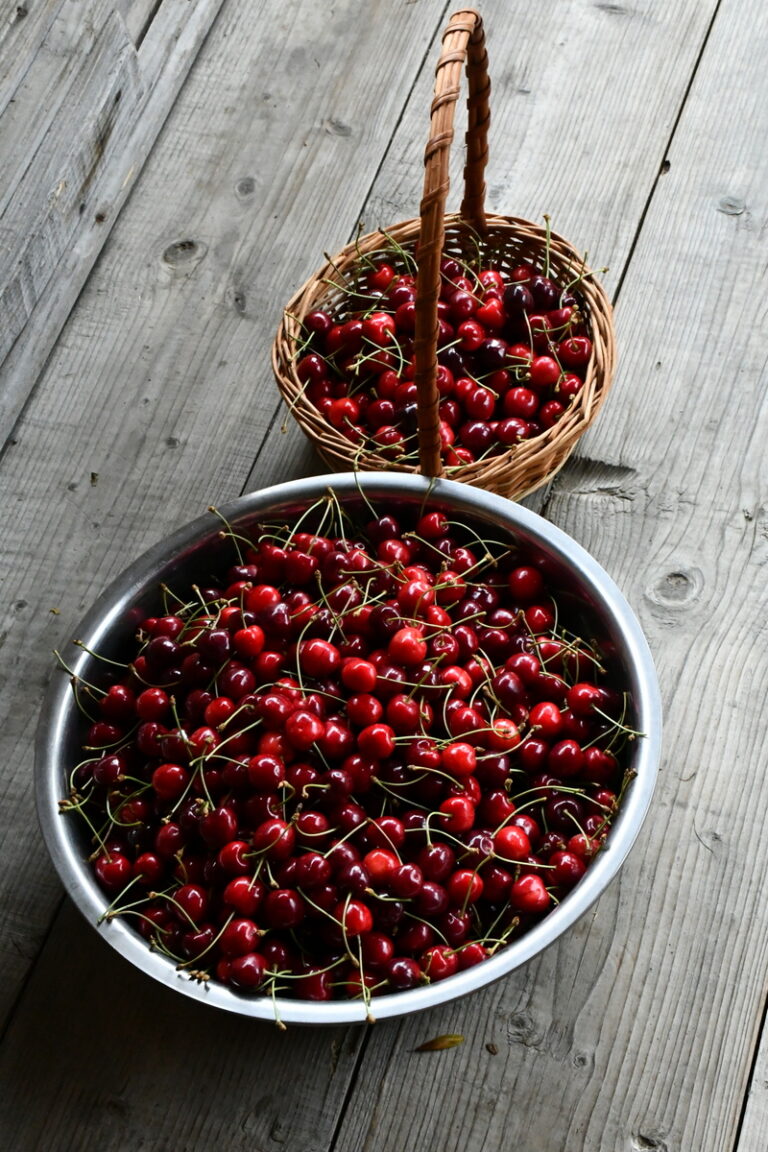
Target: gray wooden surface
[{"x": 642, "y": 130}]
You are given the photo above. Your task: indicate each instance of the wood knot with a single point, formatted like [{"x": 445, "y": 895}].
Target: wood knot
[
  {"x": 245, "y": 187},
  {"x": 643, "y": 1142},
  {"x": 184, "y": 252},
  {"x": 337, "y": 127},
  {"x": 731, "y": 205},
  {"x": 681, "y": 586}
]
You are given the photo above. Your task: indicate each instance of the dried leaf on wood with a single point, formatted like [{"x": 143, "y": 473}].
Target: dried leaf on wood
[{"x": 440, "y": 1043}]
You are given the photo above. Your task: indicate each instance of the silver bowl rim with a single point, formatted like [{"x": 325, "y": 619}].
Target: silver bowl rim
[{"x": 51, "y": 771}]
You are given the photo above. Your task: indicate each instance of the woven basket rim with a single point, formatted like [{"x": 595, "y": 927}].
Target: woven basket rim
[{"x": 545, "y": 453}]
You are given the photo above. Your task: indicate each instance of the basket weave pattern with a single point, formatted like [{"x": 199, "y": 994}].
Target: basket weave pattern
[{"x": 474, "y": 238}]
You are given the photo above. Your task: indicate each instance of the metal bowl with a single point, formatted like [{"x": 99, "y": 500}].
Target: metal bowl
[{"x": 181, "y": 557}]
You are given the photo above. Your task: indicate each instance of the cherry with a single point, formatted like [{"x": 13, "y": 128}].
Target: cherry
[
  {"x": 218, "y": 827},
  {"x": 303, "y": 729},
  {"x": 544, "y": 372},
  {"x": 564, "y": 813},
  {"x": 274, "y": 839},
  {"x": 457, "y": 814},
  {"x": 529, "y": 894},
  {"x": 283, "y": 908},
  {"x": 459, "y": 759},
  {"x": 403, "y": 973},
  {"x": 432, "y": 899},
  {"x": 575, "y": 351},
  {"x": 464, "y": 887},
  {"x": 511, "y": 843},
  {"x": 246, "y": 972},
  {"x": 377, "y": 950},
  {"x": 354, "y": 917},
  {"x": 191, "y": 900},
  {"x": 376, "y": 742},
  {"x": 170, "y": 781},
  {"x": 113, "y": 871},
  {"x": 314, "y": 985},
  {"x": 406, "y": 881},
  {"x": 239, "y": 937},
  {"x": 471, "y": 954},
  {"x": 243, "y": 895},
  {"x": 568, "y": 868},
  {"x": 439, "y": 962},
  {"x": 358, "y": 675},
  {"x": 565, "y": 759}
]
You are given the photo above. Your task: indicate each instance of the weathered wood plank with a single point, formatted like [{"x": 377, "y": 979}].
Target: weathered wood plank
[
  {"x": 204, "y": 1079},
  {"x": 51, "y": 80},
  {"x": 637, "y": 1032},
  {"x": 138, "y": 15},
  {"x": 45, "y": 209},
  {"x": 140, "y": 390},
  {"x": 184, "y": 334},
  {"x": 23, "y": 28},
  {"x": 89, "y": 154},
  {"x": 755, "y": 1118}
]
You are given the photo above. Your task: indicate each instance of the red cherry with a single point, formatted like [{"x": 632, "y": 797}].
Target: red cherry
[
  {"x": 457, "y": 814},
  {"x": 491, "y": 314},
  {"x": 274, "y": 839},
  {"x": 380, "y": 864},
  {"x": 319, "y": 657},
  {"x": 529, "y": 894},
  {"x": 575, "y": 351},
  {"x": 170, "y": 781},
  {"x": 464, "y": 888},
  {"x": 544, "y": 372},
  {"x": 354, "y": 917},
  {"x": 512, "y": 430},
  {"x": 239, "y": 937},
  {"x": 247, "y": 972},
  {"x": 439, "y": 962},
  {"x": 512, "y": 843},
  {"x": 248, "y": 642},
  {"x": 403, "y": 973},
  {"x": 303, "y": 729},
  {"x": 565, "y": 759},
  {"x": 471, "y": 954},
  {"x": 568, "y": 868},
  {"x": 376, "y": 742},
  {"x": 551, "y": 412},
  {"x": 113, "y": 871},
  {"x": 379, "y": 328},
  {"x": 408, "y": 646},
  {"x": 283, "y": 908},
  {"x": 459, "y": 759}
]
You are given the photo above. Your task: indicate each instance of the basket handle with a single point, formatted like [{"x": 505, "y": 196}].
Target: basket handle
[{"x": 463, "y": 43}]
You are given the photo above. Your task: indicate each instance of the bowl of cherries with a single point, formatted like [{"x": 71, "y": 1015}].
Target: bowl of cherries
[{"x": 348, "y": 748}]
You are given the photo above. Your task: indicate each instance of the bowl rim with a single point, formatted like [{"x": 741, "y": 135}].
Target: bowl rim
[{"x": 51, "y": 770}]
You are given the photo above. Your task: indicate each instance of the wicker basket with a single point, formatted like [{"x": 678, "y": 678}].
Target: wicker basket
[{"x": 503, "y": 240}]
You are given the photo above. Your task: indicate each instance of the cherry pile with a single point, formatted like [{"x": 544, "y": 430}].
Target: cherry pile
[
  {"x": 513, "y": 352},
  {"x": 364, "y": 757}
]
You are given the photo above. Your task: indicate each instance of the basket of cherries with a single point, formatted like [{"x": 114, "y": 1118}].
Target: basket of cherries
[{"x": 470, "y": 345}]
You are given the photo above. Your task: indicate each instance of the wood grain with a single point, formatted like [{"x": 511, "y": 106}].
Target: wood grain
[
  {"x": 78, "y": 154},
  {"x": 635, "y": 1034},
  {"x": 138, "y": 15},
  {"x": 135, "y": 1066},
  {"x": 23, "y": 28}
]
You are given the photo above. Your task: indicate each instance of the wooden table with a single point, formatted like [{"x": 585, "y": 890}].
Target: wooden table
[{"x": 641, "y": 128}]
